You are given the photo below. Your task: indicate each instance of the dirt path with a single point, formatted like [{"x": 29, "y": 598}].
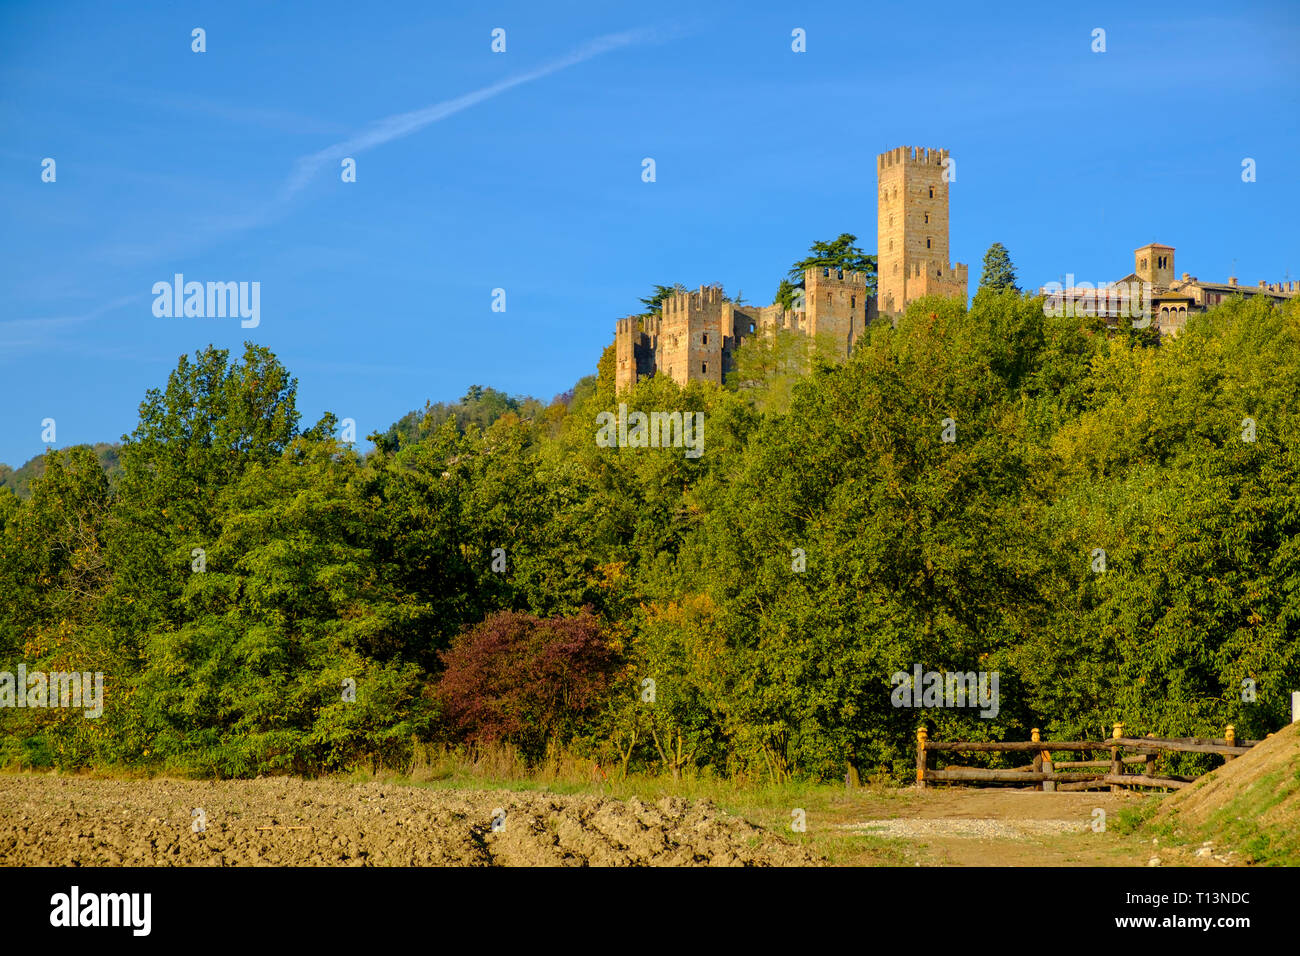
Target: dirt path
[
  {"x": 983, "y": 827},
  {"x": 51, "y": 820}
]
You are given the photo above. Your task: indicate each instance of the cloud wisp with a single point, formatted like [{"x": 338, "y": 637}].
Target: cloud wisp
[{"x": 404, "y": 124}]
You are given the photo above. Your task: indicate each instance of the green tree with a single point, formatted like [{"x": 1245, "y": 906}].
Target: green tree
[
  {"x": 654, "y": 302},
  {"x": 214, "y": 419},
  {"x": 998, "y": 271},
  {"x": 839, "y": 253}
]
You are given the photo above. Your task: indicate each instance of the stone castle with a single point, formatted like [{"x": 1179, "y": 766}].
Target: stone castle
[{"x": 695, "y": 334}]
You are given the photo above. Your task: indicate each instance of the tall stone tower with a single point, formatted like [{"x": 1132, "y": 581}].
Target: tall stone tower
[{"x": 912, "y": 229}]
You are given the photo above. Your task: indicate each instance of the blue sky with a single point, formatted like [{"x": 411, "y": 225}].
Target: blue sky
[{"x": 522, "y": 170}]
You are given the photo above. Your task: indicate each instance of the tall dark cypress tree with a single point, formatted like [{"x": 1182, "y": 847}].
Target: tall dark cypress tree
[{"x": 999, "y": 273}]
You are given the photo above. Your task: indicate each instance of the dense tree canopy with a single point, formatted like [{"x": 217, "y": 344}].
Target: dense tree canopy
[{"x": 1110, "y": 525}]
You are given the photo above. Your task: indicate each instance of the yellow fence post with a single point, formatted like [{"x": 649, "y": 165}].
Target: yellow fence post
[
  {"x": 1116, "y": 765},
  {"x": 1038, "y": 758}
]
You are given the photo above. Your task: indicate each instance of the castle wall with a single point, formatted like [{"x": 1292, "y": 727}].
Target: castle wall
[
  {"x": 690, "y": 336},
  {"x": 932, "y": 278},
  {"x": 627, "y": 337},
  {"x": 836, "y": 306}
]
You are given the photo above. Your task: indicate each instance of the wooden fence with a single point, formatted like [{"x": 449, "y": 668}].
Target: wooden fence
[{"x": 1046, "y": 774}]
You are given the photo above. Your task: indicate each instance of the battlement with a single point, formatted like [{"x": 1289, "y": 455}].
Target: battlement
[
  {"x": 910, "y": 156},
  {"x": 1284, "y": 288},
  {"x": 822, "y": 275},
  {"x": 705, "y": 296},
  {"x": 629, "y": 326},
  {"x": 938, "y": 270}
]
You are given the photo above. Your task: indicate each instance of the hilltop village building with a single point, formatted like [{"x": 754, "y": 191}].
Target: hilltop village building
[
  {"x": 695, "y": 334},
  {"x": 1166, "y": 300}
]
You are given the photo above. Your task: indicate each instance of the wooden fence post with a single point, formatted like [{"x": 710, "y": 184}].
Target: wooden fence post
[
  {"x": 1043, "y": 762},
  {"x": 1038, "y": 757},
  {"x": 1116, "y": 765},
  {"x": 1230, "y": 733},
  {"x": 1151, "y": 762},
  {"x": 920, "y": 757}
]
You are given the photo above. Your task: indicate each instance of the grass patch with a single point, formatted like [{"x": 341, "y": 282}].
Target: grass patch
[{"x": 1132, "y": 819}]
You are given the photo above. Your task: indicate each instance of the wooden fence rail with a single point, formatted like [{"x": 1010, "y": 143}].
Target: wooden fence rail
[{"x": 1051, "y": 776}]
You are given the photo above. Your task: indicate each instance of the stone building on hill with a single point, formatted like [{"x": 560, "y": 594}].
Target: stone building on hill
[
  {"x": 695, "y": 334},
  {"x": 1166, "y": 300}
]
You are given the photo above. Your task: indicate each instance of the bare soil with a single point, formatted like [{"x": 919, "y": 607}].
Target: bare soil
[{"x": 48, "y": 820}]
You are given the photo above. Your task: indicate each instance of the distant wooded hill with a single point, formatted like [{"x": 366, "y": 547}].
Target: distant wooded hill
[
  {"x": 480, "y": 406},
  {"x": 19, "y": 480}
]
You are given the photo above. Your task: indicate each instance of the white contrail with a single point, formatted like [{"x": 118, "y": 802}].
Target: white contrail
[
  {"x": 403, "y": 124},
  {"x": 26, "y": 332}
]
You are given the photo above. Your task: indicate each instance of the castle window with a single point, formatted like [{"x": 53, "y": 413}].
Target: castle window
[
  {"x": 853, "y": 302},
  {"x": 704, "y": 368},
  {"x": 927, "y": 219},
  {"x": 927, "y": 243},
  {"x": 931, "y": 192},
  {"x": 704, "y": 339}
]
